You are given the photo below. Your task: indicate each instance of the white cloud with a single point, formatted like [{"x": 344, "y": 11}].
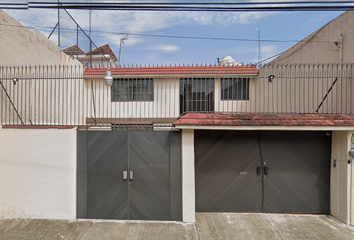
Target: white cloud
[
  {"x": 165, "y": 48},
  {"x": 266, "y": 52},
  {"x": 269, "y": 50},
  {"x": 114, "y": 39},
  {"x": 106, "y": 24}
]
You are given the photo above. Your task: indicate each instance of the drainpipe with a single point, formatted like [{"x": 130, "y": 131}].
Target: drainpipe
[
  {"x": 351, "y": 183},
  {"x": 351, "y": 196},
  {"x": 341, "y": 50}
]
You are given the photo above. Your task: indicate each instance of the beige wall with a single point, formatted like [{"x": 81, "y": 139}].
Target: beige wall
[
  {"x": 342, "y": 177},
  {"x": 166, "y": 102},
  {"x": 321, "y": 47},
  {"x": 51, "y": 95},
  {"x": 20, "y": 46},
  {"x": 236, "y": 106},
  {"x": 300, "y": 88},
  {"x": 38, "y": 173},
  {"x": 54, "y": 96}
]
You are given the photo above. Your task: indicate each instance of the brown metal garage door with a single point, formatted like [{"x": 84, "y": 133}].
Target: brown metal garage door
[{"x": 262, "y": 171}]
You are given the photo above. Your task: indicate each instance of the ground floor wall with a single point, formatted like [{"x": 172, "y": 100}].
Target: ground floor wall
[
  {"x": 342, "y": 177},
  {"x": 38, "y": 173}
]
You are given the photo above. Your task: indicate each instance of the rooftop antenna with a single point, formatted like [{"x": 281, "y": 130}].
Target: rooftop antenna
[
  {"x": 259, "y": 46},
  {"x": 90, "y": 20},
  {"x": 58, "y": 24},
  {"x": 120, "y": 47}
]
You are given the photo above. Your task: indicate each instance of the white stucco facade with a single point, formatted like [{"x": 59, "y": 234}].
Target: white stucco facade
[
  {"x": 38, "y": 173},
  {"x": 188, "y": 178}
]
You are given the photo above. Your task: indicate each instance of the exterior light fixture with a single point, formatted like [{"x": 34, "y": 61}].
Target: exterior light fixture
[
  {"x": 15, "y": 80},
  {"x": 270, "y": 78},
  {"x": 351, "y": 153},
  {"x": 108, "y": 79}
]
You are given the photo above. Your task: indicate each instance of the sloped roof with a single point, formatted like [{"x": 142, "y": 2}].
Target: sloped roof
[
  {"x": 313, "y": 37},
  {"x": 253, "y": 119},
  {"x": 175, "y": 70},
  {"x": 104, "y": 49},
  {"x": 73, "y": 50}
]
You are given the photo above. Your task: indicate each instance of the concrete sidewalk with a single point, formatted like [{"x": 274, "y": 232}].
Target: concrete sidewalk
[{"x": 208, "y": 226}]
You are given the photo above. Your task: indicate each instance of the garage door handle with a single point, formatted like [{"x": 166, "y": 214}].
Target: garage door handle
[
  {"x": 266, "y": 171},
  {"x": 125, "y": 175},
  {"x": 259, "y": 170}
]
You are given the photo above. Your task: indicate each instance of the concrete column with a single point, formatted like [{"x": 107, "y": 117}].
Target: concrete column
[
  {"x": 342, "y": 177},
  {"x": 188, "y": 179}
]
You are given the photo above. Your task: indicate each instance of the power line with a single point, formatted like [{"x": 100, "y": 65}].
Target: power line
[
  {"x": 192, "y": 6},
  {"x": 177, "y": 36}
]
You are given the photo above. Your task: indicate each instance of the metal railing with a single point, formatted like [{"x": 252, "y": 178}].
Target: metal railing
[{"x": 147, "y": 96}]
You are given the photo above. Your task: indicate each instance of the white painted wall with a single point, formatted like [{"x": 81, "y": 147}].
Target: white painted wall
[
  {"x": 38, "y": 173},
  {"x": 188, "y": 178},
  {"x": 164, "y": 105},
  {"x": 341, "y": 177}
]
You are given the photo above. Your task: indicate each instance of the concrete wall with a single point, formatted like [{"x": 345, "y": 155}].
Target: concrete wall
[
  {"x": 38, "y": 173},
  {"x": 188, "y": 178},
  {"x": 342, "y": 177},
  {"x": 20, "y": 46}
]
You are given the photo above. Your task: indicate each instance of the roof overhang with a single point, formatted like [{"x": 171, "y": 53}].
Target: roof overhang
[
  {"x": 174, "y": 71},
  {"x": 279, "y": 122}
]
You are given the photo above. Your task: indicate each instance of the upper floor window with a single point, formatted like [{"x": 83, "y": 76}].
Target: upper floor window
[
  {"x": 196, "y": 95},
  {"x": 132, "y": 90},
  {"x": 234, "y": 88}
]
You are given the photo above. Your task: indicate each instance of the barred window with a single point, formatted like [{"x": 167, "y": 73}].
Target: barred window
[
  {"x": 133, "y": 90},
  {"x": 196, "y": 95},
  {"x": 234, "y": 88}
]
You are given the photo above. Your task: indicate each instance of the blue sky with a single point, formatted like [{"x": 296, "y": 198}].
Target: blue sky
[{"x": 107, "y": 26}]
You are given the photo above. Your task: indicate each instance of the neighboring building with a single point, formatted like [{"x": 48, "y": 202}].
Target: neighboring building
[
  {"x": 37, "y": 166},
  {"x": 101, "y": 56},
  {"x": 332, "y": 43},
  {"x": 333, "y": 46},
  {"x": 166, "y": 141},
  {"x": 20, "y": 46}
]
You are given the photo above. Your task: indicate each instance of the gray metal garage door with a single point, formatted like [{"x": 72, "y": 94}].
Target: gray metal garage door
[
  {"x": 129, "y": 175},
  {"x": 268, "y": 171}
]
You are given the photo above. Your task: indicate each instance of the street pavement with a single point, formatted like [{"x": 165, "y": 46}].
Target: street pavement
[{"x": 241, "y": 226}]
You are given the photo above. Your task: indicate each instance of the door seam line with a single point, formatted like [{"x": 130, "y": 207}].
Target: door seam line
[
  {"x": 128, "y": 173},
  {"x": 262, "y": 169}
]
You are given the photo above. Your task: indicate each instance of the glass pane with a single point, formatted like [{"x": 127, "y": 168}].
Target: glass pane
[{"x": 132, "y": 89}]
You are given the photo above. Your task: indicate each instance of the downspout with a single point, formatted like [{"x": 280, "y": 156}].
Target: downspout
[
  {"x": 351, "y": 196},
  {"x": 351, "y": 184},
  {"x": 341, "y": 50}
]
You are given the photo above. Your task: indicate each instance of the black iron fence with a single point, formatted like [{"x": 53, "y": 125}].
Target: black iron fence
[{"x": 157, "y": 96}]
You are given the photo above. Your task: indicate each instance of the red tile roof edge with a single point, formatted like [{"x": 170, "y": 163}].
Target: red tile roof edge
[
  {"x": 208, "y": 119},
  {"x": 174, "y": 70}
]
